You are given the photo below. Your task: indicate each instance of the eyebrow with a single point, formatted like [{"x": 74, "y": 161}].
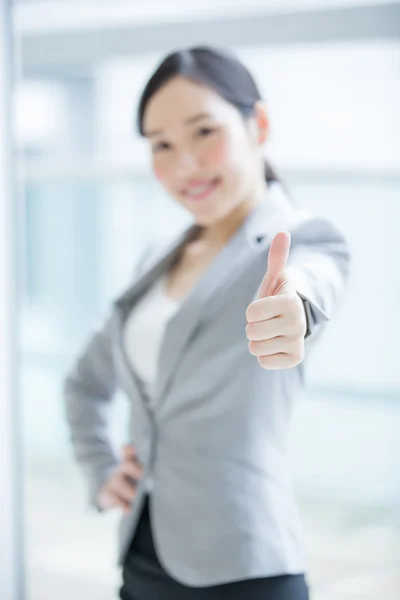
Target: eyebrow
[{"x": 188, "y": 121}]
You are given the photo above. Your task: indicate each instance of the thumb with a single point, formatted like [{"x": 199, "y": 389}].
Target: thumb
[{"x": 277, "y": 260}]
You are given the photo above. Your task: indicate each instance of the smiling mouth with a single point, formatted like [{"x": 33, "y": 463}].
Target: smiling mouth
[{"x": 201, "y": 191}]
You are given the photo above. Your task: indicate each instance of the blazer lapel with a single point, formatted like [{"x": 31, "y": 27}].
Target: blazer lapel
[{"x": 182, "y": 327}]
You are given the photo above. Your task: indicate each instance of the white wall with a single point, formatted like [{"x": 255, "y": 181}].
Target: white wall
[
  {"x": 333, "y": 106},
  {"x": 361, "y": 347}
]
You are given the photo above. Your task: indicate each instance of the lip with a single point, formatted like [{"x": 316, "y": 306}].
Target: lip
[{"x": 200, "y": 190}]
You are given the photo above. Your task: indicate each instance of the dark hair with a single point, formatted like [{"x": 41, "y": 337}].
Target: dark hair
[{"x": 216, "y": 68}]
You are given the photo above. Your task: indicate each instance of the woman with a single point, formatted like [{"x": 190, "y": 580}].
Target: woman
[{"x": 208, "y": 345}]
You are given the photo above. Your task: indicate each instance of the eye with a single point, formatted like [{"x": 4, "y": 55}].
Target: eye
[
  {"x": 161, "y": 146},
  {"x": 205, "y": 131}
]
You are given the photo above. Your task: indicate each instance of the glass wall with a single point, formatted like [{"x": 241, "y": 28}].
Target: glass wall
[{"x": 89, "y": 207}]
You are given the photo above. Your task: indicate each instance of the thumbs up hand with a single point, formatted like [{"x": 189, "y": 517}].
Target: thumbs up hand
[{"x": 276, "y": 320}]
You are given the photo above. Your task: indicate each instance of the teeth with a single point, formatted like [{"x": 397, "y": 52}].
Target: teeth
[{"x": 197, "y": 191}]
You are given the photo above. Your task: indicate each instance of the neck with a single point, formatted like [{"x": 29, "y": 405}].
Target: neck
[{"x": 219, "y": 233}]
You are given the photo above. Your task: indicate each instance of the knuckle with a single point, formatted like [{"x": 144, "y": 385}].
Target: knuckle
[
  {"x": 291, "y": 303},
  {"x": 265, "y": 362},
  {"x": 250, "y": 312},
  {"x": 298, "y": 324},
  {"x": 299, "y": 313},
  {"x": 297, "y": 356},
  {"x": 255, "y": 335},
  {"x": 252, "y": 349},
  {"x": 300, "y": 356}
]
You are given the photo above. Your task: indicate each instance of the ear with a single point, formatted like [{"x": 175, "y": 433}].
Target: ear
[{"x": 262, "y": 120}]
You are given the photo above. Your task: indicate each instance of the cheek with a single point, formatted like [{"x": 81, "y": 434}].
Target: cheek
[
  {"x": 161, "y": 171},
  {"x": 218, "y": 155}
]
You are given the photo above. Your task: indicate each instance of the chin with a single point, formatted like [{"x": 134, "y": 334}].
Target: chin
[
  {"x": 210, "y": 219},
  {"x": 202, "y": 222}
]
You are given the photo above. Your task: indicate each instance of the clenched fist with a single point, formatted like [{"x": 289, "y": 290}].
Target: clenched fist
[
  {"x": 120, "y": 489},
  {"x": 276, "y": 320}
]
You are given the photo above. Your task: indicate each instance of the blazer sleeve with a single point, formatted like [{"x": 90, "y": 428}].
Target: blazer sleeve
[
  {"x": 319, "y": 266},
  {"x": 88, "y": 391}
]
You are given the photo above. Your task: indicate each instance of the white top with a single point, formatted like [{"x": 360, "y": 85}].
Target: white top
[
  {"x": 143, "y": 335},
  {"x": 144, "y": 332}
]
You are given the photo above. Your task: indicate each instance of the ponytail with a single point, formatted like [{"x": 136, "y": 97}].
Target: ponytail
[
  {"x": 272, "y": 177},
  {"x": 270, "y": 174}
]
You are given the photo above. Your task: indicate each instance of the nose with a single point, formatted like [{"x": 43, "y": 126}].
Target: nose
[{"x": 186, "y": 164}]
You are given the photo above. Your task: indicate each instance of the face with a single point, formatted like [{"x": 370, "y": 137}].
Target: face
[{"x": 204, "y": 154}]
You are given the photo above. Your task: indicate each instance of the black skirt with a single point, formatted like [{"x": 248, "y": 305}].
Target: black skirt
[{"x": 145, "y": 579}]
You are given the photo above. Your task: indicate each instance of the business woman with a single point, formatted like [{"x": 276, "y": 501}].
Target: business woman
[{"x": 208, "y": 344}]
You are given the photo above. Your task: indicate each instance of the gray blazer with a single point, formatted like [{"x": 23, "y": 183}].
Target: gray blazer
[{"x": 222, "y": 505}]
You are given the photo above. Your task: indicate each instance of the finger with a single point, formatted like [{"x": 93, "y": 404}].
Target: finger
[
  {"x": 110, "y": 499},
  {"x": 132, "y": 469},
  {"x": 275, "y": 362},
  {"x": 277, "y": 260},
  {"x": 106, "y": 499},
  {"x": 264, "y": 309},
  {"x": 267, "y": 330},
  {"x": 129, "y": 452},
  {"x": 119, "y": 501},
  {"x": 280, "y": 361},
  {"x": 124, "y": 489},
  {"x": 278, "y": 345}
]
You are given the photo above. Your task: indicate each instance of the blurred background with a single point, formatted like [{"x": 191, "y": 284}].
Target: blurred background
[{"x": 330, "y": 73}]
